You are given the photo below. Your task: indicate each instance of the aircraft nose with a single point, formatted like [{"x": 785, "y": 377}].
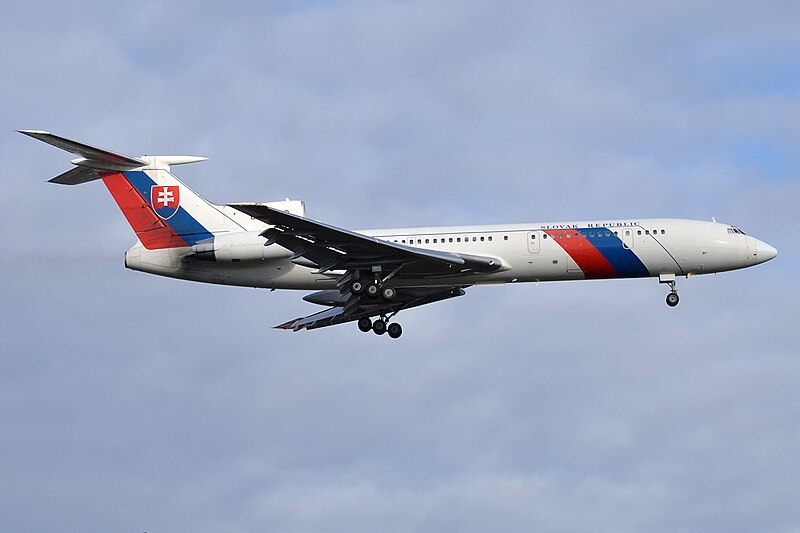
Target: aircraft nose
[{"x": 764, "y": 252}]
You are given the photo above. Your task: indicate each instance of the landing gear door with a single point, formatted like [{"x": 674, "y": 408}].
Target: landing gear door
[
  {"x": 534, "y": 238},
  {"x": 626, "y": 236}
]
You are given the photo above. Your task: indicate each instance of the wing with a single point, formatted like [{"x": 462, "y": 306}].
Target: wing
[
  {"x": 330, "y": 248},
  {"x": 348, "y": 308}
]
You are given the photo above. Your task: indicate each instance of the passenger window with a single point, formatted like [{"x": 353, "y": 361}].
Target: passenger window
[
  {"x": 638, "y": 232},
  {"x": 647, "y": 232},
  {"x": 569, "y": 235},
  {"x": 560, "y": 235},
  {"x": 663, "y": 232},
  {"x": 591, "y": 234},
  {"x": 474, "y": 239},
  {"x": 533, "y": 237},
  {"x": 451, "y": 239},
  {"x": 627, "y": 232},
  {"x": 490, "y": 237},
  {"x": 543, "y": 236},
  {"x": 481, "y": 239},
  {"x": 616, "y": 234},
  {"x": 458, "y": 239},
  {"x": 427, "y": 241},
  {"x": 608, "y": 234},
  {"x": 505, "y": 237}
]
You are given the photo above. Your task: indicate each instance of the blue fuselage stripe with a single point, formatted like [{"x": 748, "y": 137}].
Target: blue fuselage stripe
[{"x": 626, "y": 263}]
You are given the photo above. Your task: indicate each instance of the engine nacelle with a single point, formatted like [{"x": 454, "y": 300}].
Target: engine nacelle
[{"x": 238, "y": 246}]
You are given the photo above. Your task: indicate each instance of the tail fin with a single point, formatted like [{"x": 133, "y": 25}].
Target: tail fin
[{"x": 162, "y": 211}]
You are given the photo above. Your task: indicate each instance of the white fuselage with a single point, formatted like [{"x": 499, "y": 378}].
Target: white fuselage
[{"x": 528, "y": 252}]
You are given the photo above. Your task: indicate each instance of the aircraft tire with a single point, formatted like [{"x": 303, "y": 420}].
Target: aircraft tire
[
  {"x": 672, "y": 299},
  {"x": 357, "y": 287},
  {"x": 389, "y": 293},
  {"x": 364, "y": 324},
  {"x": 379, "y": 327},
  {"x": 395, "y": 330},
  {"x": 372, "y": 290}
]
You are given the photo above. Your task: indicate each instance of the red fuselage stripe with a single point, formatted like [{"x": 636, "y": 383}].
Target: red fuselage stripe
[{"x": 588, "y": 258}]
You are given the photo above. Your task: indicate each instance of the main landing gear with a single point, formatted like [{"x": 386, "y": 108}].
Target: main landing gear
[
  {"x": 380, "y": 326},
  {"x": 372, "y": 288}
]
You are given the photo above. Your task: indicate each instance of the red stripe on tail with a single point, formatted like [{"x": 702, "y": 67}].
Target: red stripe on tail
[{"x": 150, "y": 229}]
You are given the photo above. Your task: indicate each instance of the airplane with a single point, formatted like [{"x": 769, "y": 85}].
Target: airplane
[{"x": 366, "y": 274}]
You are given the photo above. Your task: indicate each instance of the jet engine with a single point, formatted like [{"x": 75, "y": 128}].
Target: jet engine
[
  {"x": 246, "y": 245},
  {"x": 238, "y": 246}
]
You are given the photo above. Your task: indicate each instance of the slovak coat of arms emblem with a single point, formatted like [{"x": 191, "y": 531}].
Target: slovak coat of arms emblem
[{"x": 165, "y": 199}]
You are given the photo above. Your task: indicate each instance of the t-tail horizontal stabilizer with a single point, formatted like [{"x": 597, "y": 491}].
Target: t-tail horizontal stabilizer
[{"x": 94, "y": 162}]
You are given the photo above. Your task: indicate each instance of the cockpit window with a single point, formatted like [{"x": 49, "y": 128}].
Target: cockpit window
[{"x": 736, "y": 230}]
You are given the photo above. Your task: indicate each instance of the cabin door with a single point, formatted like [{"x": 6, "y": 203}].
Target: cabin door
[{"x": 626, "y": 236}]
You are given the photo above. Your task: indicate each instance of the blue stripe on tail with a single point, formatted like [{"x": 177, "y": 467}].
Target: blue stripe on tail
[{"x": 182, "y": 223}]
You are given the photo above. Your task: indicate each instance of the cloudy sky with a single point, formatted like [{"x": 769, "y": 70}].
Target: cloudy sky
[{"x": 134, "y": 403}]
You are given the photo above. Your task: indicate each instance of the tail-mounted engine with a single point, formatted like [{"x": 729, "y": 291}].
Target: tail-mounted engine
[
  {"x": 246, "y": 245},
  {"x": 239, "y": 246}
]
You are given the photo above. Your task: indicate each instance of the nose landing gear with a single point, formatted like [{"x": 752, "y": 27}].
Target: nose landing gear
[{"x": 672, "y": 297}]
